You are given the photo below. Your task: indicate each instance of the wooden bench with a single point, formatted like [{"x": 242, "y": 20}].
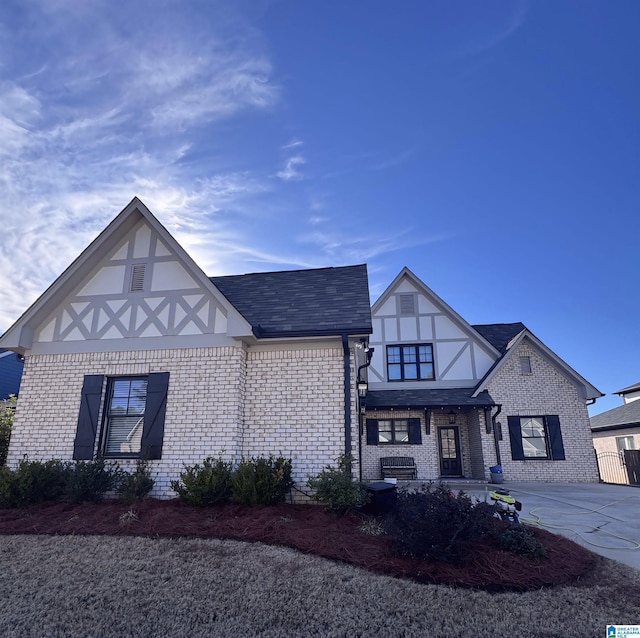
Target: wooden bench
[{"x": 400, "y": 467}]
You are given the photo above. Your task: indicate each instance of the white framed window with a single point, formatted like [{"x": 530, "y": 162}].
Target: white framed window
[
  {"x": 625, "y": 443},
  {"x": 525, "y": 365}
]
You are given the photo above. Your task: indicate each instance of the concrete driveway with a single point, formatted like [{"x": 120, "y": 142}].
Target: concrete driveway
[{"x": 602, "y": 518}]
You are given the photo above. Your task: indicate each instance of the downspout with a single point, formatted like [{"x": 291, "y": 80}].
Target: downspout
[
  {"x": 347, "y": 394},
  {"x": 495, "y": 434}
]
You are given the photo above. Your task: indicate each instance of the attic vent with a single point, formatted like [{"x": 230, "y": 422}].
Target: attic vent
[
  {"x": 407, "y": 305},
  {"x": 137, "y": 277}
]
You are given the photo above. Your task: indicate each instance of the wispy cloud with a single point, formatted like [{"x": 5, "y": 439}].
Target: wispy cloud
[{"x": 290, "y": 170}]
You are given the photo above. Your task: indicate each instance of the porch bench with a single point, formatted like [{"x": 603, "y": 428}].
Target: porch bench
[{"x": 400, "y": 467}]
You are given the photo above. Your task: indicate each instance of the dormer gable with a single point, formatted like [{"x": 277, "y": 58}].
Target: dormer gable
[{"x": 410, "y": 321}]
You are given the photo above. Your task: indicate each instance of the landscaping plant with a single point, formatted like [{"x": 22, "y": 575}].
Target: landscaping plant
[
  {"x": 206, "y": 484},
  {"x": 134, "y": 486},
  {"x": 261, "y": 481},
  {"x": 335, "y": 487},
  {"x": 7, "y": 410},
  {"x": 90, "y": 480},
  {"x": 438, "y": 524}
]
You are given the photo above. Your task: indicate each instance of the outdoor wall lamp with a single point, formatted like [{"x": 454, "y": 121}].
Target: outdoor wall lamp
[{"x": 452, "y": 417}]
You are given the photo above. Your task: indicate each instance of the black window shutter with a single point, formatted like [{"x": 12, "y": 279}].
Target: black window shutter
[
  {"x": 555, "y": 438},
  {"x": 372, "y": 431},
  {"x": 88, "y": 417},
  {"x": 154, "y": 411},
  {"x": 415, "y": 435},
  {"x": 515, "y": 436}
]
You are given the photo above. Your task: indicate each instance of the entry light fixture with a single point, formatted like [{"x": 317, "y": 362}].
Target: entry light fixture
[
  {"x": 363, "y": 386},
  {"x": 452, "y": 417}
]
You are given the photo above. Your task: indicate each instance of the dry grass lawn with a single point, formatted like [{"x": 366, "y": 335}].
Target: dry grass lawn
[{"x": 69, "y": 586}]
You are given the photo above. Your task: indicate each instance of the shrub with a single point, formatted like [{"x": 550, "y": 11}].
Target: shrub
[
  {"x": 134, "y": 486},
  {"x": 7, "y": 410},
  {"x": 335, "y": 487},
  {"x": 36, "y": 482},
  {"x": 7, "y": 487},
  {"x": 261, "y": 481},
  {"x": 520, "y": 540},
  {"x": 90, "y": 480},
  {"x": 206, "y": 484},
  {"x": 437, "y": 524}
]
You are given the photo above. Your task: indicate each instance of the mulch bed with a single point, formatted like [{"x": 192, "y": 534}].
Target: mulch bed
[{"x": 310, "y": 529}]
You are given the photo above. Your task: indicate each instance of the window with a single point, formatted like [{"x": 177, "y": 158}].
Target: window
[
  {"x": 393, "y": 432},
  {"x": 535, "y": 437},
  {"x": 133, "y": 411},
  {"x": 625, "y": 443},
  {"x": 124, "y": 416},
  {"x": 525, "y": 365},
  {"x": 410, "y": 363}
]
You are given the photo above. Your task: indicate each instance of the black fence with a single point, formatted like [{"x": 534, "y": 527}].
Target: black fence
[{"x": 619, "y": 467}]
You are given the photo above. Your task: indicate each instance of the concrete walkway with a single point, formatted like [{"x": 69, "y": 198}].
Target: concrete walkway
[{"x": 602, "y": 518}]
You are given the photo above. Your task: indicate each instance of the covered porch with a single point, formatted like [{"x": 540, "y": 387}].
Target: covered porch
[{"x": 449, "y": 433}]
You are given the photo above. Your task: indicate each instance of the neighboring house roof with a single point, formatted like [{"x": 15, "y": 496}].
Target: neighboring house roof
[
  {"x": 500, "y": 334},
  {"x": 432, "y": 397},
  {"x": 322, "y": 301},
  {"x": 627, "y": 415},
  {"x": 630, "y": 388}
]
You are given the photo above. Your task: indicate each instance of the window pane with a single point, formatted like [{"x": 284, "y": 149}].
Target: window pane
[
  {"x": 532, "y": 427},
  {"x": 411, "y": 371},
  {"x": 384, "y": 432},
  {"x": 426, "y": 354},
  {"x": 393, "y": 354},
  {"x": 124, "y": 435},
  {"x": 426, "y": 370},
  {"x": 409, "y": 354},
  {"x": 394, "y": 372},
  {"x": 534, "y": 447},
  {"x": 402, "y": 431}
]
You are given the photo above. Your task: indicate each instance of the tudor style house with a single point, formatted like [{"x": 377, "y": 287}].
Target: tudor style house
[
  {"x": 454, "y": 399},
  {"x": 134, "y": 351}
]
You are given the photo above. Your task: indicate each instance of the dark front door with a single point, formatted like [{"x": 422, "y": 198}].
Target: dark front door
[{"x": 449, "y": 443}]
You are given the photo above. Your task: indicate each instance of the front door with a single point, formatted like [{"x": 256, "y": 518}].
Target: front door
[{"x": 449, "y": 443}]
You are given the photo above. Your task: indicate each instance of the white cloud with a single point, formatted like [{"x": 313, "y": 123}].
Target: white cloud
[{"x": 290, "y": 170}]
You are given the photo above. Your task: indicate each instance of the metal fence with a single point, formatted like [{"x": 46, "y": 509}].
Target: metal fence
[{"x": 619, "y": 467}]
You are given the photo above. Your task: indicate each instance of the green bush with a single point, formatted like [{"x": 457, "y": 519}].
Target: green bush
[
  {"x": 134, "y": 486},
  {"x": 261, "y": 481},
  {"x": 520, "y": 540},
  {"x": 7, "y": 410},
  {"x": 435, "y": 523},
  {"x": 206, "y": 484},
  {"x": 90, "y": 480},
  {"x": 8, "y": 497},
  {"x": 335, "y": 487},
  {"x": 37, "y": 481}
]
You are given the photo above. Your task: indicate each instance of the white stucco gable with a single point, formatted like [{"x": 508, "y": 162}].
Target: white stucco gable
[
  {"x": 408, "y": 312},
  {"x": 135, "y": 285}
]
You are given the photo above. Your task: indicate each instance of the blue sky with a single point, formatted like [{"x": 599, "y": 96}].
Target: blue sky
[{"x": 492, "y": 147}]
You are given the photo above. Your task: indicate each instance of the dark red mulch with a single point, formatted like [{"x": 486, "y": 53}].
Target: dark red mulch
[{"x": 311, "y": 529}]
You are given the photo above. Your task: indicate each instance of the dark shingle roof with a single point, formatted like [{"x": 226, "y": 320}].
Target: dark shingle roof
[
  {"x": 322, "y": 301},
  {"x": 499, "y": 334},
  {"x": 622, "y": 415},
  {"x": 435, "y": 397},
  {"x": 629, "y": 388}
]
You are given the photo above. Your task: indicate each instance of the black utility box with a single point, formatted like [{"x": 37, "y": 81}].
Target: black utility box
[{"x": 382, "y": 498}]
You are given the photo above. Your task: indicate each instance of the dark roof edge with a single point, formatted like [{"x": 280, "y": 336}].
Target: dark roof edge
[
  {"x": 260, "y": 333},
  {"x": 620, "y": 426}
]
